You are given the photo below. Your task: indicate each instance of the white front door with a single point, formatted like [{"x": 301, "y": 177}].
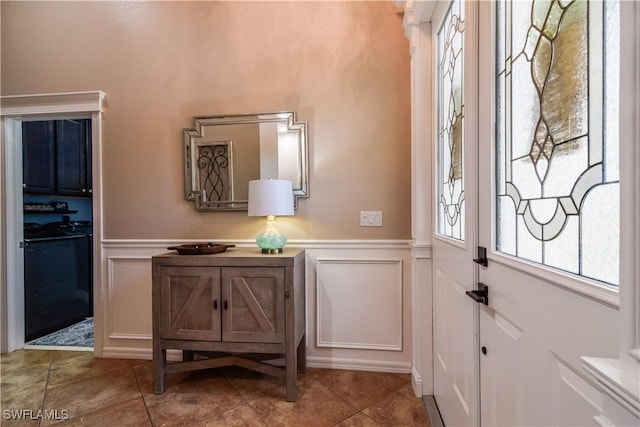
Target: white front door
[
  {"x": 455, "y": 384},
  {"x": 548, "y": 207}
]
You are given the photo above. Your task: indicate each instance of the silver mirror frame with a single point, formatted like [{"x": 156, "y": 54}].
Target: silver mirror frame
[{"x": 195, "y": 137}]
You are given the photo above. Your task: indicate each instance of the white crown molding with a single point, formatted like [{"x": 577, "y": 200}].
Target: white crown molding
[
  {"x": 416, "y": 12},
  {"x": 52, "y": 103}
]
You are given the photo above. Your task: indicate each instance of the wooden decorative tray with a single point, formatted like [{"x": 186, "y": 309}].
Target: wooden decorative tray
[{"x": 200, "y": 248}]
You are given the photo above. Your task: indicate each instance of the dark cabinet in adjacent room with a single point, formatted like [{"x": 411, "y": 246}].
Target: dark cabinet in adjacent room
[
  {"x": 73, "y": 148},
  {"x": 58, "y": 285},
  {"x": 56, "y": 156},
  {"x": 38, "y": 157}
]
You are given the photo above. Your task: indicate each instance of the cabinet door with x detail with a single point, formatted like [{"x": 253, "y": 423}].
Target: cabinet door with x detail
[
  {"x": 253, "y": 305},
  {"x": 190, "y": 303}
]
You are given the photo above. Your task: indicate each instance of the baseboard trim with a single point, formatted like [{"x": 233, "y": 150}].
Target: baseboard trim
[
  {"x": 359, "y": 365},
  {"x": 416, "y": 381},
  {"x": 312, "y": 362}
]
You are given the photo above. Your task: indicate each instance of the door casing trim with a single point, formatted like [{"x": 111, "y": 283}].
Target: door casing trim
[{"x": 13, "y": 111}]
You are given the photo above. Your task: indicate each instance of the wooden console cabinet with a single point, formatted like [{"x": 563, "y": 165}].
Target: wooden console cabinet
[{"x": 239, "y": 307}]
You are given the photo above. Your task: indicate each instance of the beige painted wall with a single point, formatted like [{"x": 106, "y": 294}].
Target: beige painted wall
[{"x": 342, "y": 66}]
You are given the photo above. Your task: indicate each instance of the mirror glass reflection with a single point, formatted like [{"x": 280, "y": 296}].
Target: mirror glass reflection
[{"x": 224, "y": 153}]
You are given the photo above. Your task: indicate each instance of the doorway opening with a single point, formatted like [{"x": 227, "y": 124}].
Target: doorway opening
[
  {"x": 72, "y": 108},
  {"x": 58, "y": 233}
]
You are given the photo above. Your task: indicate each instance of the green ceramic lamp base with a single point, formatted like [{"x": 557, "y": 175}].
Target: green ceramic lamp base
[{"x": 271, "y": 242}]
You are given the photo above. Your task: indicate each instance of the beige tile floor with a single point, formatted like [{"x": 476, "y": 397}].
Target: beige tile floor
[{"x": 78, "y": 389}]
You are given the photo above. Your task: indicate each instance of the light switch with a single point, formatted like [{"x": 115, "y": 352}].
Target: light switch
[{"x": 371, "y": 218}]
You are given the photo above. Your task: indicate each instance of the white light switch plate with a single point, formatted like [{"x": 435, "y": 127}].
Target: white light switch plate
[{"x": 371, "y": 218}]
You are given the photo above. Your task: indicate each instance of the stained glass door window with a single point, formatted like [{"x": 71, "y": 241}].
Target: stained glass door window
[
  {"x": 450, "y": 212},
  {"x": 557, "y": 180}
]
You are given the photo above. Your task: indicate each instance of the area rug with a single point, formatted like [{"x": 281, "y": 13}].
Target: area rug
[{"x": 78, "y": 335}]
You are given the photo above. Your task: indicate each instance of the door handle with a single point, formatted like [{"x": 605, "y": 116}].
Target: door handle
[
  {"x": 480, "y": 295},
  {"x": 482, "y": 257}
]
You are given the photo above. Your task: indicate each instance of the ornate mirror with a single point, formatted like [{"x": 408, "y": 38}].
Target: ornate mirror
[{"x": 223, "y": 153}]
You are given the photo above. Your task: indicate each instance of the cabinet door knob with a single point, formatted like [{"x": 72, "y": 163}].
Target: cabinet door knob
[
  {"x": 215, "y": 304},
  {"x": 225, "y": 304}
]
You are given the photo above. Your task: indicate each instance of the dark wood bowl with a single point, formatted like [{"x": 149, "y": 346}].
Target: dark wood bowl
[{"x": 200, "y": 248}]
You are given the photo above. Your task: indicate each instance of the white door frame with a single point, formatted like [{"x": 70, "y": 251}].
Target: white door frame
[
  {"x": 15, "y": 109},
  {"x": 456, "y": 369},
  {"x": 418, "y": 31}
]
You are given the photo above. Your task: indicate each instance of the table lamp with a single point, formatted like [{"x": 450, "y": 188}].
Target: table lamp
[{"x": 270, "y": 197}]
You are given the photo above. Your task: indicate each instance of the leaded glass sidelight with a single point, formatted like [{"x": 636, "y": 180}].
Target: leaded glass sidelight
[
  {"x": 557, "y": 179},
  {"x": 450, "y": 123}
]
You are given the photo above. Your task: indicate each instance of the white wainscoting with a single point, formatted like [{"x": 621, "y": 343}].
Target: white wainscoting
[
  {"x": 354, "y": 294},
  {"x": 358, "y": 302},
  {"x": 127, "y": 296}
]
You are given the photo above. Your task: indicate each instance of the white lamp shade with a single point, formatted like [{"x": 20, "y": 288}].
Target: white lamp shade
[{"x": 270, "y": 197}]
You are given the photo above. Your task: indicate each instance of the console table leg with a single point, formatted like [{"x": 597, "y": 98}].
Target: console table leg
[
  {"x": 291, "y": 371},
  {"x": 159, "y": 362},
  {"x": 302, "y": 354}
]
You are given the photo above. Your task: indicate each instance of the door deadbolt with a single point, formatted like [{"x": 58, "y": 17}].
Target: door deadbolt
[{"x": 482, "y": 257}]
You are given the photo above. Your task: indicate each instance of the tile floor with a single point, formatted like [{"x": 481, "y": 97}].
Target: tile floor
[{"x": 78, "y": 389}]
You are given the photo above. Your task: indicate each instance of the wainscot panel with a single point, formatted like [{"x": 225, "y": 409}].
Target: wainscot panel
[
  {"x": 352, "y": 295},
  {"x": 358, "y": 302}
]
